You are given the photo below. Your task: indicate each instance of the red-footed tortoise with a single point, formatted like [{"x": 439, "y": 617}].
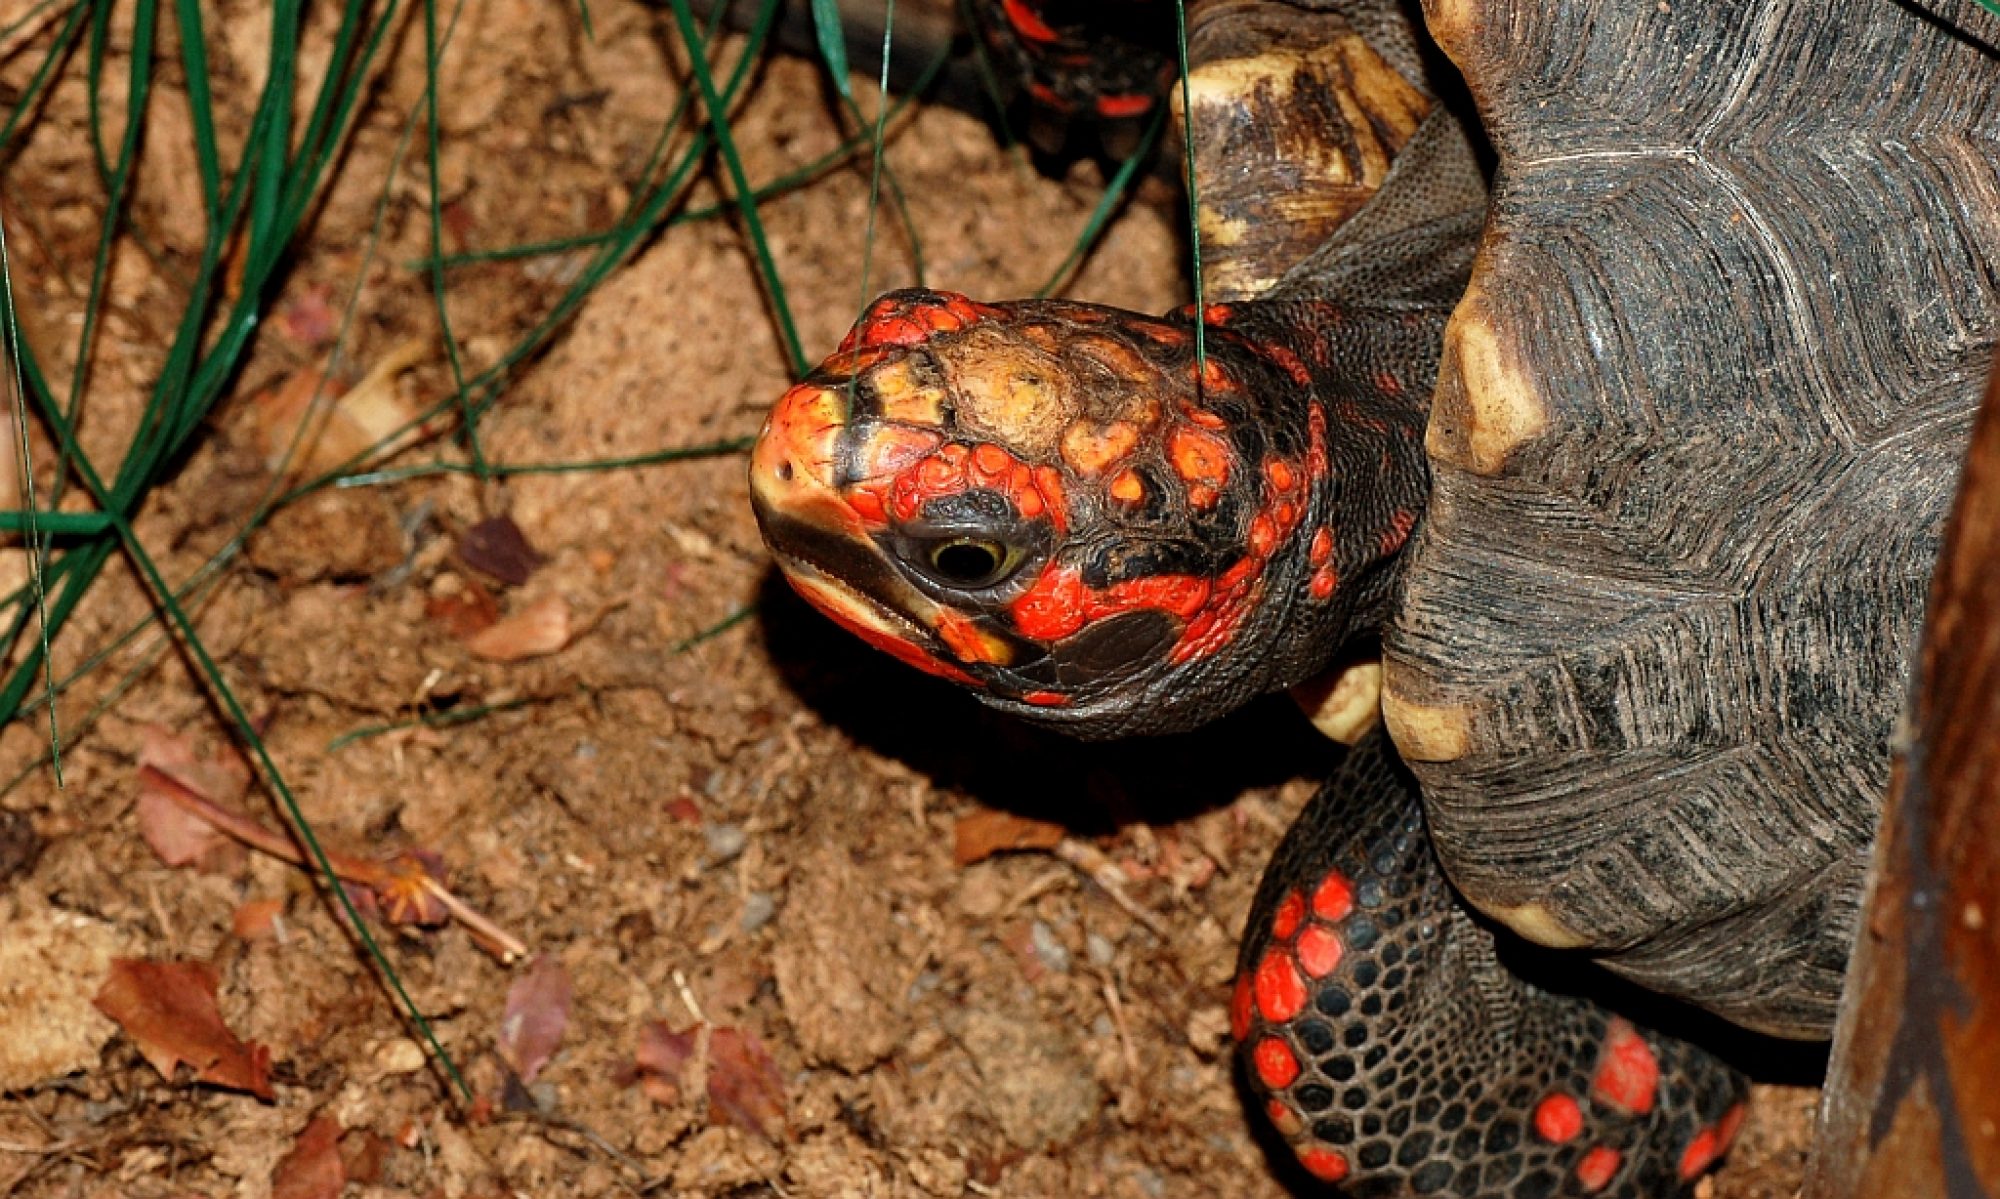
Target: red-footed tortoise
[{"x": 1642, "y": 516}]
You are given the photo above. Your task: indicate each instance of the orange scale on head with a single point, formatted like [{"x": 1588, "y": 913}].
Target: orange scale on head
[
  {"x": 1283, "y": 1118},
  {"x": 1325, "y": 581},
  {"x": 1280, "y": 474},
  {"x": 1263, "y": 536},
  {"x": 1049, "y": 481},
  {"x": 1558, "y": 1118},
  {"x": 1699, "y": 1155},
  {"x": 1204, "y": 418},
  {"x": 1127, "y": 487}
]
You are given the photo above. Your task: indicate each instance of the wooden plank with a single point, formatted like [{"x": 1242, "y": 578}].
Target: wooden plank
[{"x": 1912, "y": 1102}]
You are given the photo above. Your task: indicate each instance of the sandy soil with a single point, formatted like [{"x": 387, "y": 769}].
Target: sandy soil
[{"x": 753, "y": 834}]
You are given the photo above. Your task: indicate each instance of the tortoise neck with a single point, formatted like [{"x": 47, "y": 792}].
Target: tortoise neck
[{"x": 1357, "y": 382}]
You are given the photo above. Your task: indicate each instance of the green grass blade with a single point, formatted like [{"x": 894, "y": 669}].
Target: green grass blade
[
  {"x": 1194, "y": 203},
  {"x": 468, "y": 420},
  {"x": 833, "y": 45},
  {"x": 35, "y": 539},
  {"x": 746, "y": 204}
]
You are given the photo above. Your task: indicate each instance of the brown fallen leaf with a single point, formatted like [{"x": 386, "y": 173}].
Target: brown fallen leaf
[
  {"x": 537, "y": 1013},
  {"x": 542, "y": 627},
  {"x": 169, "y": 1011},
  {"x": 313, "y": 1169},
  {"x": 742, "y": 1082},
  {"x": 981, "y": 834},
  {"x": 177, "y": 836},
  {"x": 496, "y": 546}
]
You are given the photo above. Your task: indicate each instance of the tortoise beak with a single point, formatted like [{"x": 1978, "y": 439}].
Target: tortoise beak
[{"x": 826, "y": 549}]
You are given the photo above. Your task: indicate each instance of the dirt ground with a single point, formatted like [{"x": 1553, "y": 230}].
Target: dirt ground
[{"x": 753, "y": 836}]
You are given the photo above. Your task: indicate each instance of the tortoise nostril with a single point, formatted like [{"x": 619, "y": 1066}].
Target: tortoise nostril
[{"x": 785, "y": 471}]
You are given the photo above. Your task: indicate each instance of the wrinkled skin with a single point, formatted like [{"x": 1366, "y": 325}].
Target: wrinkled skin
[{"x": 1067, "y": 510}]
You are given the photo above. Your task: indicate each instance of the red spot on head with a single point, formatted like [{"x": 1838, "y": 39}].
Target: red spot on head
[
  {"x": 1334, "y": 898},
  {"x": 1325, "y": 581},
  {"x": 1388, "y": 384},
  {"x": 909, "y": 320},
  {"x": 1280, "y": 473},
  {"x": 1047, "y": 96},
  {"x": 1700, "y": 1154},
  {"x": 1116, "y": 108},
  {"x": 1274, "y": 1063},
  {"x": 1281, "y": 993},
  {"x": 1628, "y": 1075},
  {"x": 1240, "y": 1005},
  {"x": 1594, "y": 1171},
  {"x": 1046, "y": 699},
  {"x": 963, "y": 637},
  {"x": 1263, "y": 535},
  {"x": 1327, "y": 1165},
  {"x": 1558, "y": 1118},
  {"x": 1291, "y": 910},
  {"x": 1319, "y": 951}
]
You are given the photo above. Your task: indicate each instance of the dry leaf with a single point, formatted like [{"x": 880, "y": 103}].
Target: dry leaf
[
  {"x": 981, "y": 834},
  {"x": 169, "y": 1011},
  {"x": 313, "y": 1169},
  {"x": 743, "y": 1084},
  {"x": 175, "y": 834},
  {"x": 542, "y": 627},
  {"x": 537, "y": 1012},
  {"x": 498, "y": 547}
]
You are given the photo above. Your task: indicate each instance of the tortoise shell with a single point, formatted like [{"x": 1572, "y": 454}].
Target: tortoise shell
[{"x": 1697, "y": 427}]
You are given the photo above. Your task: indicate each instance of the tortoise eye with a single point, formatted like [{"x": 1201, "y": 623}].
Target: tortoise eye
[{"x": 971, "y": 563}]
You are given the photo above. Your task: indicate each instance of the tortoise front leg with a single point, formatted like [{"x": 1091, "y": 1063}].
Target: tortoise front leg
[{"x": 1398, "y": 1054}]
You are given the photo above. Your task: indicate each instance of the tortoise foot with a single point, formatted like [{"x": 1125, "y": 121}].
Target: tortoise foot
[{"x": 1390, "y": 1043}]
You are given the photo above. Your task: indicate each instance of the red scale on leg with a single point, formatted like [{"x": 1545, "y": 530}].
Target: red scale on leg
[
  {"x": 1334, "y": 898},
  {"x": 1276, "y": 1067},
  {"x": 1242, "y": 1006},
  {"x": 1281, "y": 993},
  {"x": 1596, "y": 1169},
  {"x": 1628, "y": 1075},
  {"x": 1699, "y": 1155},
  {"x": 1319, "y": 951},
  {"x": 1327, "y": 1165},
  {"x": 1283, "y": 1118},
  {"x": 1558, "y": 1119},
  {"x": 1291, "y": 910}
]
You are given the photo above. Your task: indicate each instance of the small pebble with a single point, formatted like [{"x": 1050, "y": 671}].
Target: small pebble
[
  {"x": 758, "y": 909},
  {"x": 725, "y": 841},
  {"x": 400, "y": 1056},
  {"x": 1100, "y": 949},
  {"x": 1051, "y": 951}
]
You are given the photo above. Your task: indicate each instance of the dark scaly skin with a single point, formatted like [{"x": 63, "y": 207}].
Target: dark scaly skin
[
  {"x": 1162, "y": 553},
  {"x": 1398, "y": 1055}
]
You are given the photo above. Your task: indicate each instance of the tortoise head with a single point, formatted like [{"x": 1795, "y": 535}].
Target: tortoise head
[{"x": 1037, "y": 500}]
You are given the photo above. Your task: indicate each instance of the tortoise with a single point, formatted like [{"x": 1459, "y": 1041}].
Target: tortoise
[{"x": 1633, "y": 468}]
